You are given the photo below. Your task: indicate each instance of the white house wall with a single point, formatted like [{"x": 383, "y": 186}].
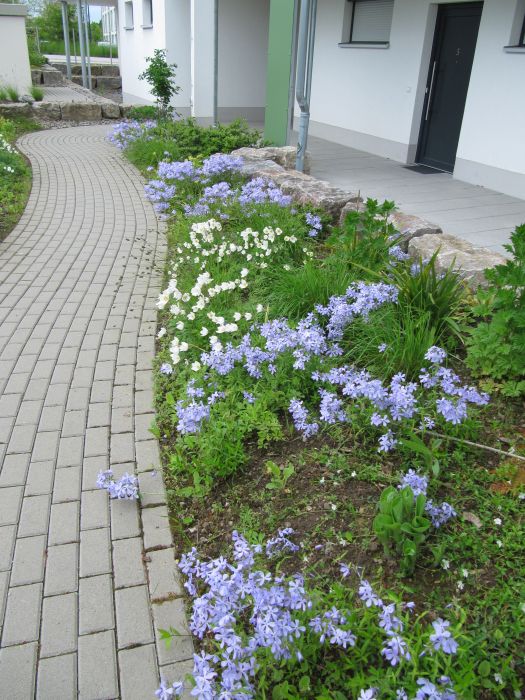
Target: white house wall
[
  {"x": 371, "y": 98},
  {"x": 243, "y": 54},
  {"x": 14, "y": 57}
]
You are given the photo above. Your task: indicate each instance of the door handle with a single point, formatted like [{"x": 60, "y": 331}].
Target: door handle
[{"x": 430, "y": 90}]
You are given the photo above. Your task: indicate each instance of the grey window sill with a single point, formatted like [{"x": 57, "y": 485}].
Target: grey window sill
[
  {"x": 514, "y": 49},
  {"x": 146, "y": 26},
  {"x": 365, "y": 45},
  {"x": 128, "y": 29}
]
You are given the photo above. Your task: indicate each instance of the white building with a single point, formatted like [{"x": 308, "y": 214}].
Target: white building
[
  {"x": 437, "y": 83},
  {"x": 14, "y": 56}
]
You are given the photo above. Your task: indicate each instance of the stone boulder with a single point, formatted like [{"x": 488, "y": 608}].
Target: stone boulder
[
  {"x": 52, "y": 77},
  {"x": 36, "y": 76},
  {"x": 77, "y": 79},
  {"x": 305, "y": 189},
  {"x": 261, "y": 168},
  {"x": 81, "y": 111},
  {"x": 411, "y": 226},
  {"x": 11, "y": 110},
  {"x": 27, "y": 98},
  {"x": 109, "y": 82},
  {"x": 47, "y": 110},
  {"x": 110, "y": 110},
  {"x": 282, "y": 155},
  {"x": 468, "y": 260}
]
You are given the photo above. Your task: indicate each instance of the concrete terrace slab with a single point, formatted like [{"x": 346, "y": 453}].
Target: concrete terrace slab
[
  {"x": 476, "y": 214},
  {"x": 81, "y": 599},
  {"x": 66, "y": 94}
]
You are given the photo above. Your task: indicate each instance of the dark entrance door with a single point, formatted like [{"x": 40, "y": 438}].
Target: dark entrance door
[{"x": 447, "y": 84}]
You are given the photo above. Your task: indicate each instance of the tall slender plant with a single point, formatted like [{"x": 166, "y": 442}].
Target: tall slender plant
[{"x": 161, "y": 77}]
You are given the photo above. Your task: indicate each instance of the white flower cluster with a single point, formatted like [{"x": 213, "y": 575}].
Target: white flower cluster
[
  {"x": 206, "y": 242},
  {"x": 6, "y": 146}
]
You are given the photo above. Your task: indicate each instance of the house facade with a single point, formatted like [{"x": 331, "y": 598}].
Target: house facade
[{"x": 416, "y": 81}]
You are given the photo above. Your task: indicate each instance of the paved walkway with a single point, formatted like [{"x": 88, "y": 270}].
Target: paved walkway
[
  {"x": 476, "y": 214},
  {"x": 85, "y": 583}
]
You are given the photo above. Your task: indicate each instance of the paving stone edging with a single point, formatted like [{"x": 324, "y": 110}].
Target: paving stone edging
[{"x": 421, "y": 238}]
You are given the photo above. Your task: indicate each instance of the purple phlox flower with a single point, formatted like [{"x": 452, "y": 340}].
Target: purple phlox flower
[
  {"x": 177, "y": 170},
  {"x": 388, "y": 621},
  {"x": 395, "y": 649},
  {"x": 452, "y": 412},
  {"x": 345, "y": 570},
  {"x": 300, "y": 418},
  {"x": 382, "y": 347},
  {"x": 429, "y": 691},
  {"x": 127, "y": 487},
  {"x": 331, "y": 408},
  {"x": 368, "y": 596},
  {"x": 248, "y": 397},
  {"x": 104, "y": 478},
  {"x": 396, "y": 253},
  {"x": 379, "y": 419},
  {"x": 191, "y": 416},
  {"x": 166, "y": 368},
  {"x": 427, "y": 423},
  {"x": 442, "y": 638},
  {"x": 435, "y": 355},
  {"x": 417, "y": 482},
  {"x": 401, "y": 694},
  {"x": 368, "y": 694},
  {"x": 315, "y": 224},
  {"x": 281, "y": 543},
  {"x": 165, "y": 691},
  {"x": 387, "y": 442},
  {"x": 439, "y": 514},
  {"x": 220, "y": 163}
]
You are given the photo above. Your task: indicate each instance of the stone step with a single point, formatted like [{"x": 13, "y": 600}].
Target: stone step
[{"x": 112, "y": 71}]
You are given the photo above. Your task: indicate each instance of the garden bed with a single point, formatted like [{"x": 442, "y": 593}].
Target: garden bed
[
  {"x": 307, "y": 375},
  {"x": 15, "y": 173}
]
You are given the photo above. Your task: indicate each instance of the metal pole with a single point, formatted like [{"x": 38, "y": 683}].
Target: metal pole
[
  {"x": 88, "y": 56},
  {"x": 65, "y": 28},
  {"x": 74, "y": 45},
  {"x": 81, "y": 42},
  {"x": 216, "y": 62},
  {"x": 293, "y": 72},
  {"x": 304, "y": 74}
]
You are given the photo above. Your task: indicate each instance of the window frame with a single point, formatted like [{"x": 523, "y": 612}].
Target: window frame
[
  {"x": 149, "y": 5},
  {"x": 364, "y": 43},
  {"x": 521, "y": 39},
  {"x": 129, "y": 4}
]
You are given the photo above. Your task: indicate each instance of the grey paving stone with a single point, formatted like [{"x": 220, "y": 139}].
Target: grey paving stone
[
  {"x": 143, "y": 423},
  {"x": 78, "y": 399},
  {"x": 101, "y": 391},
  {"x": 95, "y": 552},
  {"x": 34, "y": 516},
  {"x": 46, "y": 445},
  {"x": 99, "y": 415},
  {"x": 57, "y": 678},
  {"x": 124, "y": 519},
  {"x": 4, "y": 585},
  {"x": 138, "y": 672},
  {"x": 51, "y": 418},
  {"x": 22, "y": 615},
  {"x": 122, "y": 448},
  {"x": 151, "y": 487},
  {"x": 74, "y": 423},
  {"x": 148, "y": 456},
  {"x": 144, "y": 402},
  {"x": 17, "y": 671},
  {"x": 7, "y": 546},
  {"x": 172, "y": 614},
  {"x": 10, "y": 502},
  {"x": 90, "y": 469},
  {"x": 133, "y": 616},
  {"x": 97, "y": 667},
  {"x": 96, "y": 604},
  {"x": 163, "y": 574},
  {"x": 156, "y": 527},
  {"x": 70, "y": 451},
  {"x": 61, "y": 569},
  {"x": 29, "y": 413},
  {"x": 28, "y": 563},
  {"x": 128, "y": 566},
  {"x": 96, "y": 442},
  {"x": 94, "y": 511},
  {"x": 59, "y": 625},
  {"x": 67, "y": 484},
  {"x": 13, "y": 470},
  {"x": 122, "y": 420},
  {"x": 22, "y": 439},
  {"x": 178, "y": 672},
  {"x": 40, "y": 478},
  {"x": 64, "y": 523}
]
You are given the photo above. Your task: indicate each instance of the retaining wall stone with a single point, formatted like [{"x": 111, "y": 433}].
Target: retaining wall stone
[
  {"x": 52, "y": 77},
  {"x": 110, "y": 110},
  {"x": 15, "y": 109},
  {"x": 47, "y": 110},
  {"x": 81, "y": 111},
  {"x": 468, "y": 260}
]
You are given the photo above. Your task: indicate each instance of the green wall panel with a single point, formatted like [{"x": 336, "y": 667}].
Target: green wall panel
[{"x": 280, "y": 61}]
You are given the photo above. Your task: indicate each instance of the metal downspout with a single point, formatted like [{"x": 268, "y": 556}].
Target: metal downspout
[
  {"x": 304, "y": 74},
  {"x": 65, "y": 28},
  {"x": 88, "y": 56},
  {"x": 216, "y": 62},
  {"x": 81, "y": 41}
]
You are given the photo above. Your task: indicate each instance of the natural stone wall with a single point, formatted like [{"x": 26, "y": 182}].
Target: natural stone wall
[
  {"x": 421, "y": 238},
  {"x": 468, "y": 260}
]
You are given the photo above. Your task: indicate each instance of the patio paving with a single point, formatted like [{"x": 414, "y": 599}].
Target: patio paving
[
  {"x": 85, "y": 583},
  {"x": 66, "y": 94},
  {"x": 479, "y": 215}
]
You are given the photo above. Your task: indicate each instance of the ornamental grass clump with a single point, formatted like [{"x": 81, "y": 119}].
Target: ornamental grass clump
[{"x": 257, "y": 626}]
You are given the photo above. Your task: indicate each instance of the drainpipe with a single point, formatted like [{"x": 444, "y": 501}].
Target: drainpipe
[
  {"x": 82, "y": 46},
  {"x": 88, "y": 56},
  {"x": 192, "y": 58},
  {"x": 305, "y": 57},
  {"x": 215, "y": 62},
  {"x": 65, "y": 28}
]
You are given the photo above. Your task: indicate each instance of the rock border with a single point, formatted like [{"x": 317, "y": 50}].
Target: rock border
[{"x": 420, "y": 238}]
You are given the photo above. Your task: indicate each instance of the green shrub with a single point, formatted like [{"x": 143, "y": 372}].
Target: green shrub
[
  {"x": 143, "y": 112},
  {"x": 37, "y": 93},
  {"x": 12, "y": 93},
  {"x": 161, "y": 78},
  {"x": 496, "y": 346}
]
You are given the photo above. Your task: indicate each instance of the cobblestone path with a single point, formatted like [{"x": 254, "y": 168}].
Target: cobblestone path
[{"x": 85, "y": 584}]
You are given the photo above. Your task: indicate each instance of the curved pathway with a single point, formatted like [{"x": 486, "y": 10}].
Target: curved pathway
[{"x": 85, "y": 583}]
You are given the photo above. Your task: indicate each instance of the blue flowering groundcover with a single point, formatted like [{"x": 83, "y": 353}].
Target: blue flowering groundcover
[{"x": 345, "y": 532}]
